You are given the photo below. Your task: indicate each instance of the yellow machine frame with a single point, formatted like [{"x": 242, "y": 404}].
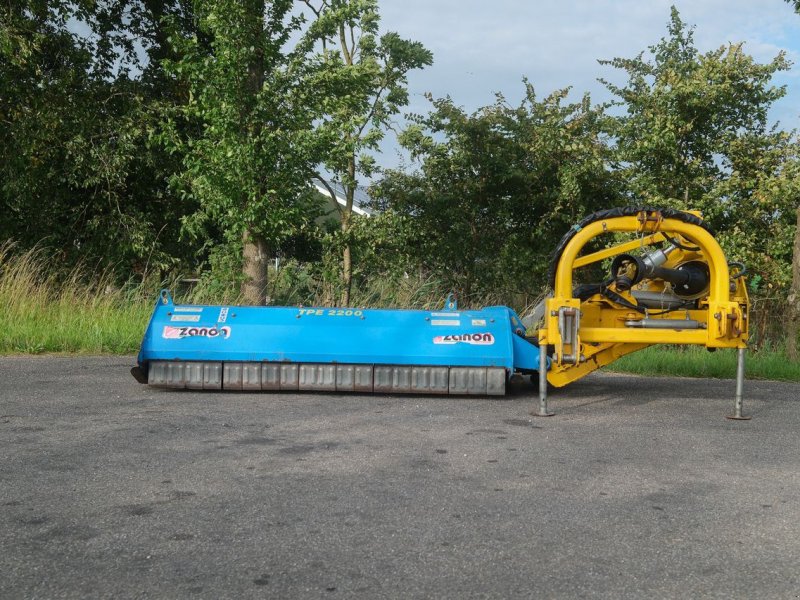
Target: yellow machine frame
[{"x": 583, "y": 335}]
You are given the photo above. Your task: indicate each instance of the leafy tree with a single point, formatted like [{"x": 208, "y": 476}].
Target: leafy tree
[
  {"x": 695, "y": 136},
  {"x": 496, "y": 189},
  {"x": 368, "y": 88},
  {"x": 794, "y": 291},
  {"x": 757, "y": 201},
  {"x": 793, "y": 298},
  {"x": 250, "y": 85},
  {"x": 683, "y": 111},
  {"x": 77, "y": 170}
]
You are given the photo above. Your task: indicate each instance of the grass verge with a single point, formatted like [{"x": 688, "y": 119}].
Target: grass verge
[
  {"x": 46, "y": 313},
  {"x": 695, "y": 361},
  {"x": 43, "y": 313}
]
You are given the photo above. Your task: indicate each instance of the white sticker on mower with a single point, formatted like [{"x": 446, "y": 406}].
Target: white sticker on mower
[
  {"x": 446, "y": 314},
  {"x": 475, "y": 339},
  {"x": 479, "y": 322},
  {"x": 445, "y": 322},
  {"x": 186, "y": 318},
  {"x": 223, "y": 314},
  {"x": 188, "y": 309},
  {"x": 176, "y": 333}
]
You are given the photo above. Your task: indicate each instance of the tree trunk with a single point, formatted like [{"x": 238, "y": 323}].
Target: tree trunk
[
  {"x": 794, "y": 296},
  {"x": 255, "y": 252},
  {"x": 347, "y": 216},
  {"x": 254, "y": 269},
  {"x": 347, "y": 256},
  {"x": 347, "y": 274}
]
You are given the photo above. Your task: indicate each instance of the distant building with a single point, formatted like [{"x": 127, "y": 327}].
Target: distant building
[{"x": 361, "y": 199}]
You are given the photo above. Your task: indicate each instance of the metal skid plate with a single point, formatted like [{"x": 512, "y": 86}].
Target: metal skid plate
[
  {"x": 389, "y": 379},
  {"x": 191, "y": 375}
]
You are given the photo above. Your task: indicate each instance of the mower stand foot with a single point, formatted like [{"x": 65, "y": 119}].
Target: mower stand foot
[{"x": 737, "y": 408}]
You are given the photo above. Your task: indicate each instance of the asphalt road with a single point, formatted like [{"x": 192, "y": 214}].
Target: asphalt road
[{"x": 637, "y": 488}]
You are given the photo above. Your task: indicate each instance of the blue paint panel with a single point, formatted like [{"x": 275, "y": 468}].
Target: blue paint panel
[{"x": 471, "y": 338}]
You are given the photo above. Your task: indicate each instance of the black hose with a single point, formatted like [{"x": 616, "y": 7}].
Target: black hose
[{"x": 677, "y": 244}]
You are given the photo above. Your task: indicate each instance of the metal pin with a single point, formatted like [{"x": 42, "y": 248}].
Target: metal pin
[
  {"x": 543, "y": 412},
  {"x": 737, "y": 408}
]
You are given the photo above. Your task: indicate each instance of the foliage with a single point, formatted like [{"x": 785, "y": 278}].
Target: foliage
[
  {"x": 497, "y": 189},
  {"x": 248, "y": 157},
  {"x": 387, "y": 245},
  {"x": 47, "y": 310},
  {"x": 683, "y": 109},
  {"x": 694, "y": 135},
  {"x": 760, "y": 195},
  {"x": 77, "y": 167},
  {"x": 160, "y": 138},
  {"x": 367, "y": 77}
]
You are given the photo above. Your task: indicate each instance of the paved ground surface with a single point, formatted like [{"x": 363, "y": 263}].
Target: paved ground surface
[{"x": 638, "y": 488}]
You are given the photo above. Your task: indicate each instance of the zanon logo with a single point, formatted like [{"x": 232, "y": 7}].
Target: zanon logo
[
  {"x": 176, "y": 333},
  {"x": 476, "y": 339}
]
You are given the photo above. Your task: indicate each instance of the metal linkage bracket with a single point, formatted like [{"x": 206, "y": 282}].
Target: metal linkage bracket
[
  {"x": 451, "y": 302},
  {"x": 569, "y": 323},
  {"x": 649, "y": 221}
]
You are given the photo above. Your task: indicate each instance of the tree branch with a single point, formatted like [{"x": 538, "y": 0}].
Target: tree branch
[
  {"x": 348, "y": 57},
  {"x": 327, "y": 186}
]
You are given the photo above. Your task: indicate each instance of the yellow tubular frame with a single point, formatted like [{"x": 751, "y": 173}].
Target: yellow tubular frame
[{"x": 602, "y": 335}]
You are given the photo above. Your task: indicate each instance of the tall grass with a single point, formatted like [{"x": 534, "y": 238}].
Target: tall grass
[
  {"x": 305, "y": 284},
  {"x": 42, "y": 312}
]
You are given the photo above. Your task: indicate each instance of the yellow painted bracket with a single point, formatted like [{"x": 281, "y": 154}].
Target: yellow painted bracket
[{"x": 583, "y": 342}]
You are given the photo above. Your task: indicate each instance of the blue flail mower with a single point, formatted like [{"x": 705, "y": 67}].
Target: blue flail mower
[{"x": 449, "y": 351}]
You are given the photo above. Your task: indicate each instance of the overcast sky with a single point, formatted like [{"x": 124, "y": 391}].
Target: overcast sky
[{"x": 485, "y": 46}]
